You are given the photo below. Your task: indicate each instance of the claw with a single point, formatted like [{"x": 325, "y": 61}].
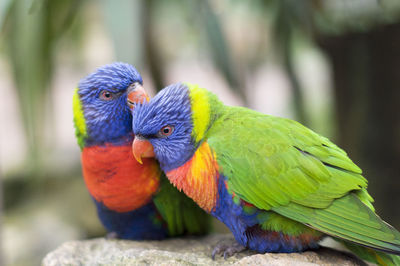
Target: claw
[
  {"x": 219, "y": 248},
  {"x": 232, "y": 250},
  {"x": 227, "y": 250}
]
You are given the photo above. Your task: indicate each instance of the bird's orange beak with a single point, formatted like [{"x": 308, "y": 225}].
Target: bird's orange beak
[
  {"x": 136, "y": 94},
  {"x": 142, "y": 148}
]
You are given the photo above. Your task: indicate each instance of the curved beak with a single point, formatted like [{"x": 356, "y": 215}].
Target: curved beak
[
  {"x": 136, "y": 94},
  {"x": 142, "y": 148}
]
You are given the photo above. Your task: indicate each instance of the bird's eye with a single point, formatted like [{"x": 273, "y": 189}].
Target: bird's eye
[
  {"x": 166, "y": 131},
  {"x": 106, "y": 95}
]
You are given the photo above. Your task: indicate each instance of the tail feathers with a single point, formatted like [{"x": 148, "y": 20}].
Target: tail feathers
[
  {"x": 372, "y": 255},
  {"x": 350, "y": 219}
]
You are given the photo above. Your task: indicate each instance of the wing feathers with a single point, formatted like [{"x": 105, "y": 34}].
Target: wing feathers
[
  {"x": 347, "y": 218},
  {"x": 277, "y": 164}
]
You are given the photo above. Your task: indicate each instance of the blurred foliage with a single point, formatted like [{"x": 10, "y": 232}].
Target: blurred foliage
[
  {"x": 153, "y": 56},
  {"x": 289, "y": 15},
  {"x": 221, "y": 53},
  {"x": 31, "y": 30}
]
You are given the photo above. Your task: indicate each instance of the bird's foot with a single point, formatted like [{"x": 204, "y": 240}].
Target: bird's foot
[
  {"x": 111, "y": 235},
  {"x": 227, "y": 250}
]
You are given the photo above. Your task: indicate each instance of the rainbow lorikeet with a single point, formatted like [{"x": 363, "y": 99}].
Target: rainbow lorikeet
[
  {"x": 277, "y": 185},
  {"x": 134, "y": 201}
]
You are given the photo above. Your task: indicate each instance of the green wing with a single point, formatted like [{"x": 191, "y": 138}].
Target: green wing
[
  {"x": 182, "y": 215},
  {"x": 279, "y": 165},
  {"x": 371, "y": 255},
  {"x": 349, "y": 219}
]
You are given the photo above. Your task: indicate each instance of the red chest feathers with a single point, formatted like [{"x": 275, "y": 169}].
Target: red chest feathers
[{"x": 116, "y": 179}]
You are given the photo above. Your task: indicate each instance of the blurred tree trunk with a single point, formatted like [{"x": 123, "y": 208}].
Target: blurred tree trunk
[
  {"x": 291, "y": 13},
  {"x": 153, "y": 58},
  {"x": 366, "y": 74},
  {"x": 221, "y": 53}
]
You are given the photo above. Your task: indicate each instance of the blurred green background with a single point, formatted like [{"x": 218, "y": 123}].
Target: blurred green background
[{"x": 332, "y": 65}]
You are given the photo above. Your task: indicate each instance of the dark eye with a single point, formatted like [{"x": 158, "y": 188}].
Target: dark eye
[
  {"x": 166, "y": 131},
  {"x": 106, "y": 95}
]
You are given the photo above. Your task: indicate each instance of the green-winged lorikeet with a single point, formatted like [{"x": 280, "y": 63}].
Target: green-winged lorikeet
[{"x": 277, "y": 185}]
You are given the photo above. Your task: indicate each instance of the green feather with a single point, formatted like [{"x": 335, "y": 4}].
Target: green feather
[
  {"x": 300, "y": 179},
  {"x": 371, "y": 255},
  {"x": 347, "y": 218},
  {"x": 79, "y": 119},
  {"x": 180, "y": 212},
  {"x": 269, "y": 161}
]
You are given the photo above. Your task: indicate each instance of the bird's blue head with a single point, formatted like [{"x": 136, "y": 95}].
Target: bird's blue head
[
  {"x": 171, "y": 126},
  {"x": 101, "y": 110}
]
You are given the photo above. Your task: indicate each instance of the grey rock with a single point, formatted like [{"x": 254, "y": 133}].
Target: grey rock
[{"x": 182, "y": 251}]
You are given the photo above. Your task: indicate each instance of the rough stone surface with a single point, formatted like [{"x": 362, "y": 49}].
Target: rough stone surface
[{"x": 182, "y": 251}]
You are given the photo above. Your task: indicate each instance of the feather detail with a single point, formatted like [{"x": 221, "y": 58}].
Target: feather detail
[
  {"x": 198, "y": 177},
  {"x": 79, "y": 119},
  {"x": 302, "y": 240},
  {"x": 116, "y": 179},
  {"x": 200, "y": 111}
]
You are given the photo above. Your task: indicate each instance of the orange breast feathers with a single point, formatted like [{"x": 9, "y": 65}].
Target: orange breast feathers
[
  {"x": 198, "y": 177},
  {"x": 116, "y": 179}
]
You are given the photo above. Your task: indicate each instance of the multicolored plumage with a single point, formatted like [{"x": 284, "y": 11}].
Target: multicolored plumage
[
  {"x": 277, "y": 185},
  {"x": 134, "y": 201}
]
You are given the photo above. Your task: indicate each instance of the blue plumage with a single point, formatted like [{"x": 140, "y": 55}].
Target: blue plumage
[
  {"x": 138, "y": 224},
  {"x": 177, "y": 113},
  {"x": 108, "y": 121}
]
